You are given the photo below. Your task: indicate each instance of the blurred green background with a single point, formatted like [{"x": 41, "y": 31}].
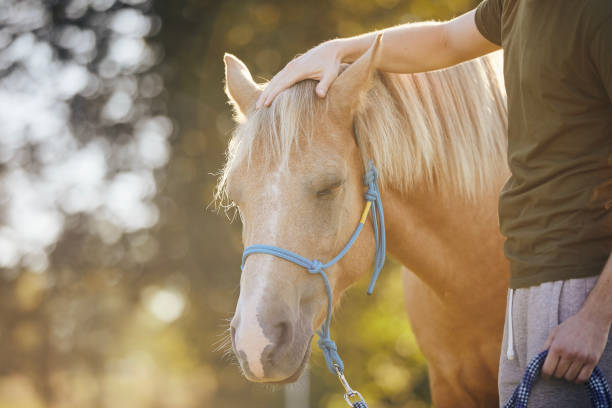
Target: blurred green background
[{"x": 116, "y": 280}]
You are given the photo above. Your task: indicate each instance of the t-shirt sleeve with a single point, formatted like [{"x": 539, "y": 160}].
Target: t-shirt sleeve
[
  {"x": 488, "y": 20},
  {"x": 601, "y": 53}
]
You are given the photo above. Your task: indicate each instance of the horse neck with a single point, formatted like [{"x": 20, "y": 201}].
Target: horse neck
[{"x": 453, "y": 245}]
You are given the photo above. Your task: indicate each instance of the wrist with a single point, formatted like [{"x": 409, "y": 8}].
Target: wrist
[
  {"x": 347, "y": 49},
  {"x": 597, "y": 315}
]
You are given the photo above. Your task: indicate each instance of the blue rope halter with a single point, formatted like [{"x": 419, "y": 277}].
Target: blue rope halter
[
  {"x": 372, "y": 196},
  {"x": 597, "y": 386}
]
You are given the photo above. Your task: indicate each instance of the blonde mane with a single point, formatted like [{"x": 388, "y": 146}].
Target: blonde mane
[{"x": 442, "y": 130}]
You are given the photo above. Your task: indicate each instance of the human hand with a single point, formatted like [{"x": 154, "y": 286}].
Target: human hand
[
  {"x": 575, "y": 347},
  {"x": 321, "y": 63}
]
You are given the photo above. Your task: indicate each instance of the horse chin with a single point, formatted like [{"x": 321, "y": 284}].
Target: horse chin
[
  {"x": 296, "y": 375},
  {"x": 299, "y": 371}
]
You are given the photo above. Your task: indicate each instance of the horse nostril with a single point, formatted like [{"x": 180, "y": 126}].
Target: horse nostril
[
  {"x": 283, "y": 331},
  {"x": 281, "y": 336}
]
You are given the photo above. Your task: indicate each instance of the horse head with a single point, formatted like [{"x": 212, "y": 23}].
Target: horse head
[{"x": 295, "y": 174}]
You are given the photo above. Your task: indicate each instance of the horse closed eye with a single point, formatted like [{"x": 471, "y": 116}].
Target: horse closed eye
[{"x": 329, "y": 191}]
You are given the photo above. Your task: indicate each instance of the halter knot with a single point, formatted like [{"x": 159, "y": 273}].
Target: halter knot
[
  {"x": 371, "y": 195},
  {"x": 330, "y": 351},
  {"x": 327, "y": 343},
  {"x": 315, "y": 267},
  {"x": 371, "y": 175}
]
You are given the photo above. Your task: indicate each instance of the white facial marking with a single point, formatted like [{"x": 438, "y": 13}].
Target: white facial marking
[
  {"x": 250, "y": 337},
  {"x": 273, "y": 204}
]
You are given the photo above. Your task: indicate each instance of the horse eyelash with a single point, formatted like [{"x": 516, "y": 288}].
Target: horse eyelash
[{"x": 329, "y": 190}]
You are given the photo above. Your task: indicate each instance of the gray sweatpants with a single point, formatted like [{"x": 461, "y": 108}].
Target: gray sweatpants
[{"x": 535, "y": 312}]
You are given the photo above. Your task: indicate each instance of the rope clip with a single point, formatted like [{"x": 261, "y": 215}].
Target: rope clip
[{"x": 350, "y": 393}]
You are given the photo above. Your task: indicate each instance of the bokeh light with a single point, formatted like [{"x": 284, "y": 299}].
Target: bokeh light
[{"x": 166, "y": 305}]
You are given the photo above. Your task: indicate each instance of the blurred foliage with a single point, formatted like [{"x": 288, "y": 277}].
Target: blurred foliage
[{"x": 125, "y": 302}]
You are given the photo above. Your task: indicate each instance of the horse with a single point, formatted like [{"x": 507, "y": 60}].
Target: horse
[{"x": 294, "y": 173}]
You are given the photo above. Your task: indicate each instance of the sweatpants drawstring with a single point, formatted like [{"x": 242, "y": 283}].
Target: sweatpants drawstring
[{"x": 510, "y": 351}]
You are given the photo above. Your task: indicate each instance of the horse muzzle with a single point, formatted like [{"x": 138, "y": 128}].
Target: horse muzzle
[{"x": 271, "y": 345}]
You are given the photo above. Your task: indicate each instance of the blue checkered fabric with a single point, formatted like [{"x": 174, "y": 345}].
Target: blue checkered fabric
[{"x": 597, "y": 386}]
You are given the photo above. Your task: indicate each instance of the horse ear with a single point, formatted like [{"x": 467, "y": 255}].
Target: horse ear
[
  {"x": 240, "y": 88},
  {"x": 345, "y": 93}
]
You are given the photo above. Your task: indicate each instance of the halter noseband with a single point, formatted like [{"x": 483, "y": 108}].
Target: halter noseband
[{"x": 372, "y": 196}]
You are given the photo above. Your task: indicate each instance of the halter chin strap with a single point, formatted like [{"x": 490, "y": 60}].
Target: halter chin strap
[{"x": 372, "y": 196}]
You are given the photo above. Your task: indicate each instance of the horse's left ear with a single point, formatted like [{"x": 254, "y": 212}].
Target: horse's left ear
[
  {"x": 346, "y": 91},
  {"x": 240, "y": 88}
]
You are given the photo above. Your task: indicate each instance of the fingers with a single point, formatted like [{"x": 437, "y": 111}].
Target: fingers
[
  {"x": 271, "y": 88},
  {"x": 588, "y": 363},
  {"x": 320, "y": 63},
  {"x": 276, "y": 85},
  {"x": 328, "y": 77},
  {"x": 570, "y": 365},
  {"x": 573, "y": 371},
  {"x": 262, "y": 97},
  {"x": 550, "y": 364},
  {"x": 275, "y": 91},
  {"x": 285, "y": 78},
  {"x": 562, "y": 366},
  {"x": 574, "y": 348},
  {"x": 585, "y": 373}
]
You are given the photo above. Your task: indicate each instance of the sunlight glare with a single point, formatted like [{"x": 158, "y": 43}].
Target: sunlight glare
[{"x": 167, "y": 305}]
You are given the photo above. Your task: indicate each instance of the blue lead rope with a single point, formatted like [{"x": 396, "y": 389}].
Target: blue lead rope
[
  {"x": 597, "y": 386},
  {"x": 325, "y": 343}
]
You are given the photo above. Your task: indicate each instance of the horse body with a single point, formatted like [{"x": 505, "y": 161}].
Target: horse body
[
  {"x": 454, "y": 286},
  {"x": 295, "y": 170},
  {"x": 443, "y": 226}
]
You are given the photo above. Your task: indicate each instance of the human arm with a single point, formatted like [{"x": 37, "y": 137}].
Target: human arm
[
  {"x": 412, "y": 47},
  {"x": 577, "y": 344}
]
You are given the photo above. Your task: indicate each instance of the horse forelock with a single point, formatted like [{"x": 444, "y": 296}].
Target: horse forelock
[
  {"x": 269, "y": 136},
  {"x": 443, "y": 129}
]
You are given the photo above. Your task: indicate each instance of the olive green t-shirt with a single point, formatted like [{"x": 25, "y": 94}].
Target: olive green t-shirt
[{"x": 555, "y": 209}]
